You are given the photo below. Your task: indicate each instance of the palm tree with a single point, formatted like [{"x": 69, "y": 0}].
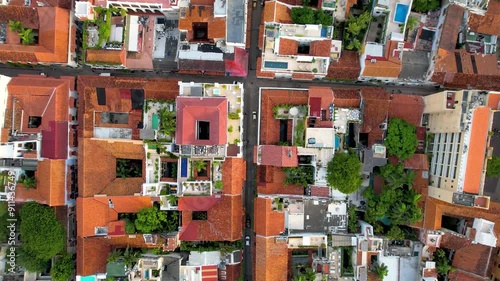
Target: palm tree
[
  {"x": 355, "y": 44},
  {"x": 130, "y": 257},
  {"x": 380, "y": 270},
  {"x": 29, "y": 182},
  {"x": 199, "y": 165},
  {"x": 27, "y": 36},
  {"x": 167, "y": 121},
  {"x": 114, "y": 255},
  {"x": 412, "y": 23},
  {"x": 172, "y": 200},
  {"x": 15, "y": 26}
]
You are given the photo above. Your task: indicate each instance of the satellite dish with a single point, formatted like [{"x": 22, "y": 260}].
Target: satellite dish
[{"x": 293, "y": 111}]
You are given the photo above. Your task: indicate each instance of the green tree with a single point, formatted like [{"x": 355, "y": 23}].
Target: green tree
[
  {"x": 323, "y": 18},
  {"x": 302, "y": 15},
  {"x": 30, "y": 262},
  {"x": 442, "y": 263},
  {"x": 167, "y": 121},
  {"x": 28, "y": 182},
  {"x": 42, "y": 234},
  {"x": 354, "y": 44},
  {"x": 423, "y": 6},
  {"x": 354, "y": 27},
  {"x": 150, "y": 219},
  {"x": 129, "y": 226},
  {"x": 172, "y": 221},
  {"x": 380, "y": 270},
  {"x": 401, "y": 139},
  {"x": 199, "y": 165},
  {"x": 493, "y": 167},
  {"x": 396, "y": 176},
  {"x": 352, "y": 220},
  {"x": 115, "y": 255},
  {"x": 130, "y": 257},
  {"x": 344, "y": 172},
  {"x": 301, "y": 175},
  {"x": 62, "y": 270},
  {"x": 15, "y": 26},
  {"x": 395, "y": 233},
  {"x": 412, "y": 23},
  {"x": 27, "y": 36}
]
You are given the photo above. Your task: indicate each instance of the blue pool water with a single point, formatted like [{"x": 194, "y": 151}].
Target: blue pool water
[
  {"x": 323, "y": 32},
  {"x": 401, "y": 12},
  {"x": 337, "y": 142},
  {"x": 276, "y": 64},
  {"x": 184, "y": 167},
  {"x": 88, "y": 278},
  {"x": 146, "y": 274}
]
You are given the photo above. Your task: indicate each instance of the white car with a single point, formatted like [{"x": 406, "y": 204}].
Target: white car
[
  {"x": 247, "y": 240},
  {"x": 254, "y": 115}
]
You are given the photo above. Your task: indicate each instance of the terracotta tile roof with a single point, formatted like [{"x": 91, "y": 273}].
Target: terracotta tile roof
[
  {"x": 271, "y": 260},
  {"x": 51, "y": 187},
  {"x": 282, "y": 13},
  {"x": 416, "y": 162},
  {"x": 288, "y": 47},
  {"x": 224, "y": 218},
  {"x": 167, "y": 89},
  {"x": 190, "y": 110},
  {"x": 233, "y": 176},
  {"x": 115, "y": 57},
  {"x": 269, "y": 126},
  {"x": 320, "y": 191},
  {"x": 346, "y": 98},
  {"x": 451, "y": 26},
  {"x": 302, "y": 76},
  {"x": 97, "y": 167},
  {"x": 95, "y": 212},
  {"x": 270, "y": 181},
  {"x": 320, "y": 100},
  {"x": 320, "y": 48},
  {"x": 92, "y": 255},
  {"x": 347, "y": 67},
  {"x": 407, "y": 107},
  {"x": 460, "y": 275},
  {"x": 477, "y": 149},
  {"x": 390, "y": 67},
  {"x": 267, "y": 221},
  {"x": 473, "y": 258},
  {"x": 263, "y": 74},
  {"x": 27, "y": 15},
  {"x": 375, "y": 112},
  {"x": 216, "y": 26},
  {"x": 489, "y": 23},
  {"x": 232, "y": 272}
]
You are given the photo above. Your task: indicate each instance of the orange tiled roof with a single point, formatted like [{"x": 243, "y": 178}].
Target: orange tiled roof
[
  {"x": 288, "y": 47},
  {"x": 223, "y": 223},
  {"x": 95, "y": 211},
  {"x": 375, "y": 113},
  {"x": 115, "y": 57},
  {"x": 477, "y": 149},
  {"x": 97, "y": 167},
  {"x": 51, "y": 187},
  {"x": 53, "y": 31},
  {"x": 271, "y": 259},
  {"x": 216, "y": 26},
  {"x": 270, "y": 181},
  {"x": 346, "y": 98},
  {"x": 399, "y": 104},
  {"x": 390, "y": 68},
  {"x": 320, "y": 48},
  {"x": 451, "y": 26},
  {"x": 347, "y": 67},
  {"x": 267, "y": 221},
  {"x": 460, "y": 275},
  {"x": 233, "y": 176},
  {"x": 27, "y": 15},
  {"x": 92, "y": 255},
  {"x": 275, "y": 11},
  {"x": 489, "y": 23},
  {"x": 302, "y": 76}
]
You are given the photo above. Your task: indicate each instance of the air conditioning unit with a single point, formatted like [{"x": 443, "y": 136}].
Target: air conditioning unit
[{"x": 373, "y": 60}]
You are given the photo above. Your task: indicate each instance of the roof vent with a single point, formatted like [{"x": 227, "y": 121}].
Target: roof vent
[{"x": 110, "y": 203}]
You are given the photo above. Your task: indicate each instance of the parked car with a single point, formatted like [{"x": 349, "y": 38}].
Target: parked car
[
  {"x": 254, "y": 3},
  {"x": 247, "y": 240},
  {"x": 254, "y": 115}
]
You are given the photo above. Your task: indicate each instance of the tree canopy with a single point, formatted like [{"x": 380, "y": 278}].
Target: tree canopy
[
  {"x": 401, "y": 139},
  {"x": 301, "y": 175},
  {"x": 306, "y": 15},
  {"x": 395, "y": 233},
  {"x": 150, "y": 219},
  {"x": 423, "y": 6},
  {"x": 62, "y": 270},
  {"x": 42, "y": 235},
  {"x": 493, "y": 167},
  {"x": 344, "y": 172},
  {"x": 354, "y": 30},
  {"x": 380, "y": 270},
  {"x": 442, "y": 263}
]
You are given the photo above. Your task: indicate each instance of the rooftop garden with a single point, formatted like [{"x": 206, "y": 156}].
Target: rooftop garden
[
  {"x": 151, "y": 220},
  {"x": 306, "y": 15},
  {"x": 128, "y": 168},
  {"x": 300, "y": 175},
  {"x": 28, "y": 36},
  {"x": 354, "y": 30},
  {"x": 128, "y": 257},
  {"x": 223, "y": 247},
  {"x": 282, "y": 111},
  {"x": 299, "y": 133}
]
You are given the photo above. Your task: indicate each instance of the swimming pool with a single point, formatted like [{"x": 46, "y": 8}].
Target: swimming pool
[
  {"x": 87, "y": 278},
  {"x": 401, "y": 12},
  {"x": 155, "y": 121},
  {"x": 276, "y": 64},
  {"x": 337, "y": 142}
]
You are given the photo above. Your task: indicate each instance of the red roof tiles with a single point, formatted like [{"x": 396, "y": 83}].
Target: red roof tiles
[
  {"x": 92, "y": 255},
  {"x": 347, "y": 67},
  {"x": 279, "y": 156},
  {"x": 190, "y": 110},
  {"x": 346, "y": 98},
  {"x": 271, "y": 261},
  {"x": 233, "y": 176},
  {"x": 224, "y": 218},
  {"x": 203, "y": 14},
  {"x": 451, "y": 26},
  {"x": 407, "y": 107},
  {"x": 288, "y": 47},
  {"x": 488, "y": 23},
  {"x": 376, "y": 108},
  {"x": 320, "y": 48},
  {"x": 268, "y": 222}
]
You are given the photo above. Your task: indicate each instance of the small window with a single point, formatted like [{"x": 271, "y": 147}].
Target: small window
[{"x": 34, "y": 121}]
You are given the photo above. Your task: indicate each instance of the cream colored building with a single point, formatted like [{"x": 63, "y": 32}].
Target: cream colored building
[{"x": 459, "y": 125}]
